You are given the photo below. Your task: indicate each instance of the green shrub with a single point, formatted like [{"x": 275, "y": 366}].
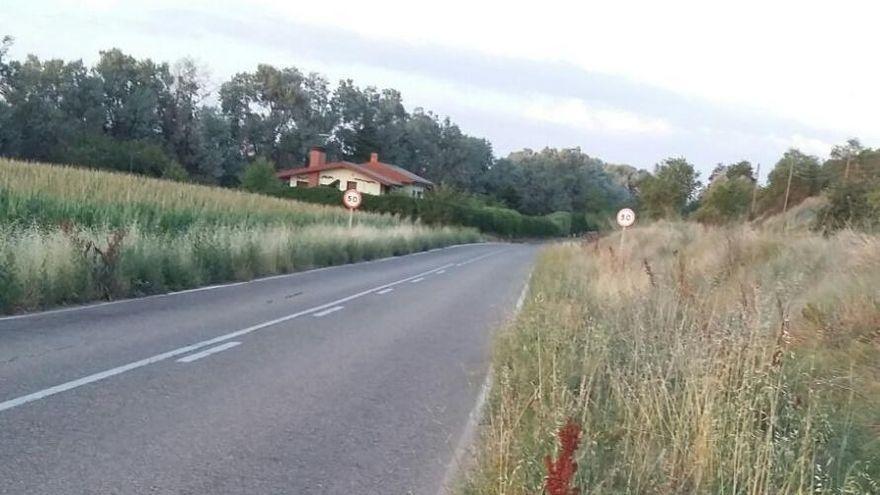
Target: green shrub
[
  {"x": 259, "y": 177},
  {"x": 444, "y": 208},
  {"x": 850, "y": 205}
]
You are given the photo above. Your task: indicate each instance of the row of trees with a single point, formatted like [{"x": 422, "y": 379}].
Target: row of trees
[
  {"x": 159, "y": 119},
  {"x": 153, "y": 118},
  {"x": 850, "y": 178}
]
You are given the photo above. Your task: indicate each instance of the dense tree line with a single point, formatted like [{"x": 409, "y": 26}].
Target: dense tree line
[
  {"x": 160, "y": 119},
  {"x": 850, "y": 178},
  {"x": 163, "y": 119}
]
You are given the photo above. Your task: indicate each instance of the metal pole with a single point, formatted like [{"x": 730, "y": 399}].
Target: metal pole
[
  {"x": 622, "y": 235},
  {"x": 350, "y": 217}
]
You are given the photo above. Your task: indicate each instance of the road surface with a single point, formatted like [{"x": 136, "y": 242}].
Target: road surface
[{"x": 355, "y": 379}]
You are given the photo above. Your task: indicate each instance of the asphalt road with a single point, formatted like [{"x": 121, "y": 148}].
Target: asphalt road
[{"x": 356, "y": 379}]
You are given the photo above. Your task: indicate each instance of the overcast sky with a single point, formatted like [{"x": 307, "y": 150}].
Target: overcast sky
[{"x": 627, "y": 81}]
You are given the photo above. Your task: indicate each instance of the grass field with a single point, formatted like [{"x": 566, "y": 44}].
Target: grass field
[
  {"x": 722, "y": 361},
  {"x": 70, "y": 235}
]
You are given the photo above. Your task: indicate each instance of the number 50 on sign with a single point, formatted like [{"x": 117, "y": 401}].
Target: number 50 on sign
[{"x": 626, "y": 217}]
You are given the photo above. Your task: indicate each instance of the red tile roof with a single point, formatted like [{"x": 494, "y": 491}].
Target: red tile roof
[
  {"x": 397, "y": 173},
  {"x": 385, "y": 173},
  {"x": 373, "y": 174}
]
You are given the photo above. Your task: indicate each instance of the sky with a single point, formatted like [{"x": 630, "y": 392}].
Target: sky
[{"x": 626, "y": 81}]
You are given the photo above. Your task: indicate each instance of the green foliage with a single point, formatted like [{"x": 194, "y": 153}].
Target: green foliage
[
  {"x": 72, "y": 235},
  {"x": 445, "y": 207},
  {"x": 740, "y": 169},
  {"x": 103, "y": 152},
  {"x": 259, "y": 177},
  {"x": 850, "y": 205},
  {"x": 666, "y": 193},
  {"x": 64, "y": 112},
  {"x": 562, "y": 220},
  {"x": 807, "y": 180},
  {"x": 539, "y": 183},
  {"x": 726, "y": 200}
]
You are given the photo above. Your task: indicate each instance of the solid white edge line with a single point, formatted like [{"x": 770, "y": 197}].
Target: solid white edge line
[
  {"x": 207, "y": 352},
  {"x": 9, "y": 404},
  {"x": 231, "y": 284},
  {"x": 327, "y": 311},
  {"x": 468, "y": 435}
]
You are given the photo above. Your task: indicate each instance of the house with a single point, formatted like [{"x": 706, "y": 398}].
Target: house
[{"x": 372, "y": 177}]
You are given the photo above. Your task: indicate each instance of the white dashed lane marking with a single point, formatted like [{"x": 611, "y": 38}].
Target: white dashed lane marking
[
  {"x": 208, "y": 352},
  {"x": 328, "y": 311}
]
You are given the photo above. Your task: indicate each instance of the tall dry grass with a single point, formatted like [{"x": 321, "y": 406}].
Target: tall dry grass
[{"x": 696, "y": 361}]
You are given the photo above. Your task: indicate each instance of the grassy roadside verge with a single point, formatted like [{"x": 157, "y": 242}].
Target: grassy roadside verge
[
  {"x": 696, "y": 361},
  {"x": 71, "y": 235}
]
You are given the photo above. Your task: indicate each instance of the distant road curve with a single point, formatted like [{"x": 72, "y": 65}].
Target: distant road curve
[{"x": 354, "y": 379}]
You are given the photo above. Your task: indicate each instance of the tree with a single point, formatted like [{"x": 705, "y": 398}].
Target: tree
[
  {"x": 843, "y": 159},
  {"x": 806, "y": 180},
  {"x": 741, "y": 169},
  {"x": 49, "y": 103},
  {"x": 181, "y": 119},
  {"x": 725, "y": 200},
  {"x": 259, "y": 177},
  {"x": 666, "y": 193},
  {"x": 369, "y": 121},
  {"x": 278, "y": 113},
  {"x": 850, "y": 205},
  {"x": 137, "y": 96},
  {"x": 217, "y": 155}
]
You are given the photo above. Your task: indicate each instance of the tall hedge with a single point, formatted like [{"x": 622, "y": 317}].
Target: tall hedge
[{"x": 495, "y": 220}]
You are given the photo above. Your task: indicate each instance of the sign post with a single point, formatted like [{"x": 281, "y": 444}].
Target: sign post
[
  {"x": 625, "y": 218},
  {"x": 352, "y": 200}
]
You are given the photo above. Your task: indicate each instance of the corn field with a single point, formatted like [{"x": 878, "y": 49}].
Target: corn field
[{"x": 71, "y": 235}]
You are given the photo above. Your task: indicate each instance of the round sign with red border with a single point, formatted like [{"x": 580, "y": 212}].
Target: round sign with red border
[
  {"x": 352, "y": 199},
  {"x": 626, "y": 217}
]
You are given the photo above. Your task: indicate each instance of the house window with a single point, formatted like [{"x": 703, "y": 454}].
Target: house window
[
  {"x": 302, "y": 183},
  {"x": 351, "y": 185}
]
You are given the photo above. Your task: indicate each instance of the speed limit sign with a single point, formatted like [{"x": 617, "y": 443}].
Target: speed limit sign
[
  {"x": 352, "y": 199},
  {"x": 626, "y": 217}
]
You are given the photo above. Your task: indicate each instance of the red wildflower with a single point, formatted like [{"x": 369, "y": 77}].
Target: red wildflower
[{"x": 560, "y": 473}]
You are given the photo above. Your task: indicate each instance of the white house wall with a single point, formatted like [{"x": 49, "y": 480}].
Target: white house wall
[{"x": 343, "y": 175}]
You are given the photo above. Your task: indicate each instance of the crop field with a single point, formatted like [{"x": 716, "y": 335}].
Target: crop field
[
  {"x": 70, "y": 235},
  {"x": 696, "y": 360}
]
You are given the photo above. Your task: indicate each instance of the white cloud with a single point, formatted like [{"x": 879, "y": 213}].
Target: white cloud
[
  {"x": 809, "y": 145},
  {"x": 808, "y": 61},
  {"x": 541, "y": 108},
  {"x": 581, "y": 115}
]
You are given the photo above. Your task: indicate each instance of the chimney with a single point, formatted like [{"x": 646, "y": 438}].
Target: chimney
[
  {"x": 374, "y": 157},
  {"x": 317, "y": 156}
]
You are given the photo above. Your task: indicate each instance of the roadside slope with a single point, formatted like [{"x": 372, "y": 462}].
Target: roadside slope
[{"x": 696, "y": 361}]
